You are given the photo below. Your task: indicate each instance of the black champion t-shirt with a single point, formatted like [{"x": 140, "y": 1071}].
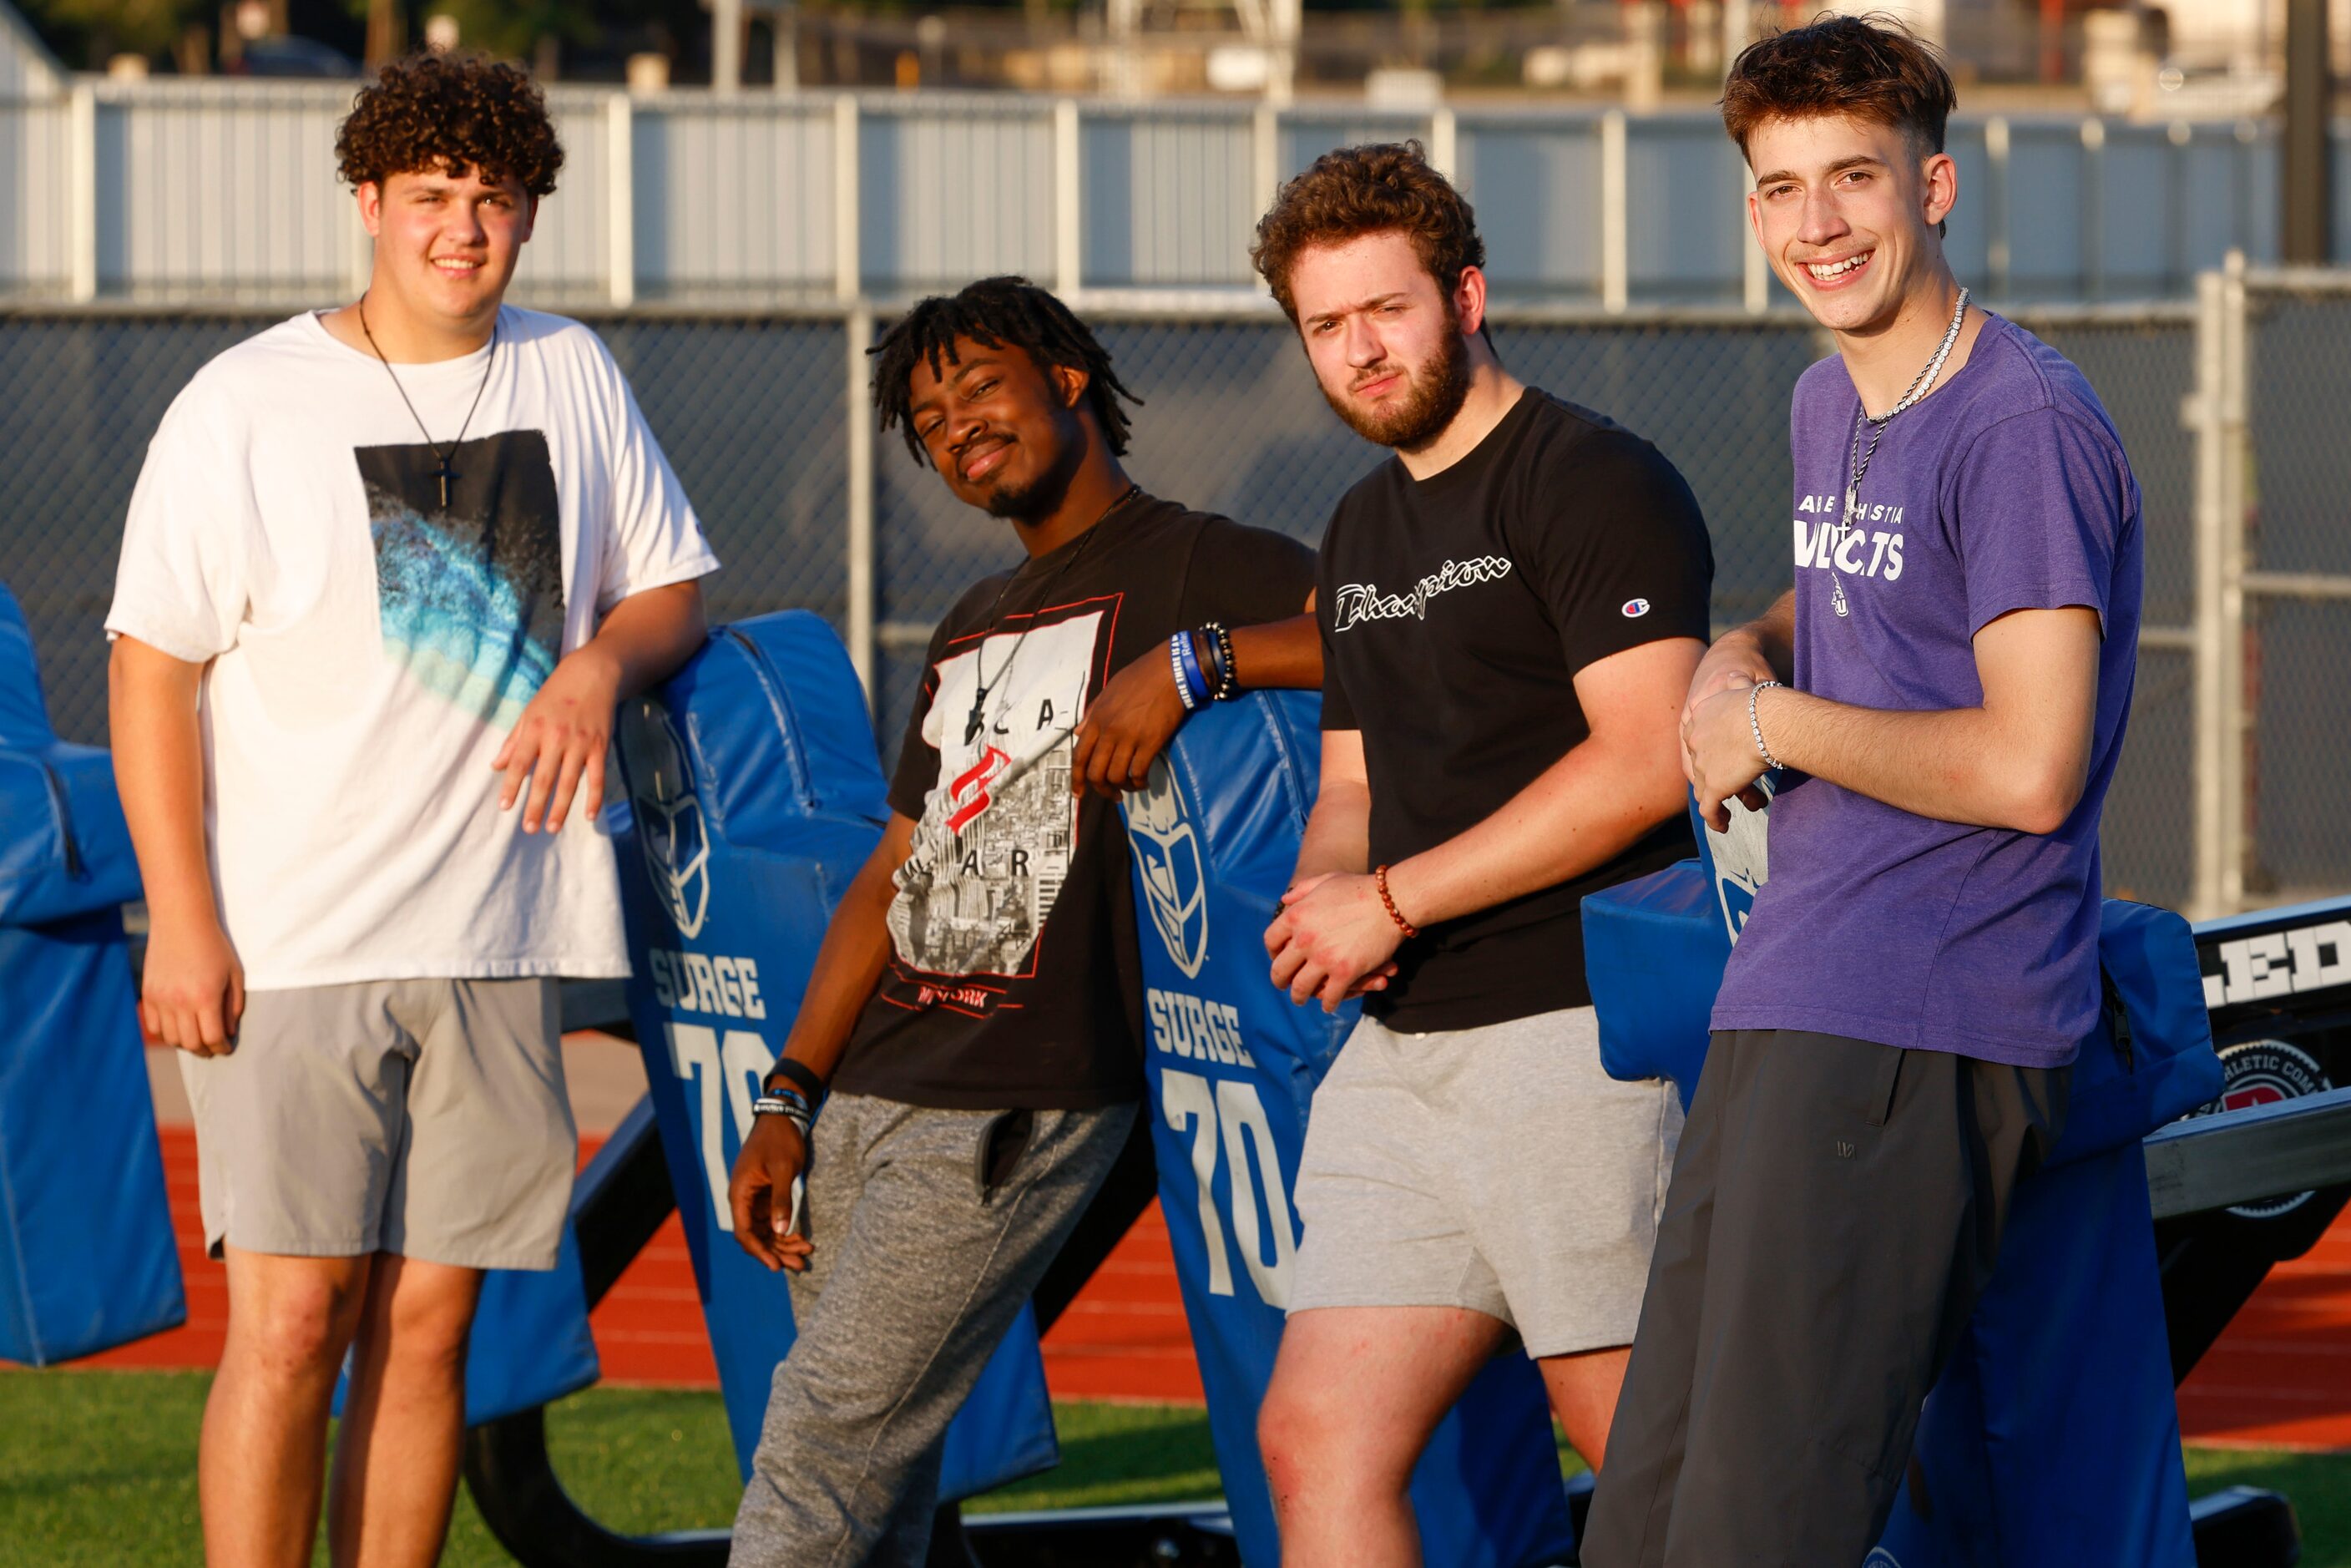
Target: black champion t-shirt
[
  {"x": 1455, "y": 611},
  {"x": 1014, "y": 979}
]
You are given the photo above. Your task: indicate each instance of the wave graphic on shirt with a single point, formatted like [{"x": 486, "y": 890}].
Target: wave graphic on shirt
[{"x": 470, "y": 596}]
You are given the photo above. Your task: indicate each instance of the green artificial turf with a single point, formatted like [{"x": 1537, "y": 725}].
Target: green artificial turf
[{"x": 98, "y": 1468}]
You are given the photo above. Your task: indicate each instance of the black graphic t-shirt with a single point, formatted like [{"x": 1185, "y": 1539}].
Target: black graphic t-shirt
[
  {"x": 1455, "y": 611},
  {"x": 1014, "y": 979}
]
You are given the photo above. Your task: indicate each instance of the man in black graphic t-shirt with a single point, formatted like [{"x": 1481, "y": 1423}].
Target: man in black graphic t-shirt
[
  {"x": 976, "y": 1005},
  {"x": 1511, "y": 611}
]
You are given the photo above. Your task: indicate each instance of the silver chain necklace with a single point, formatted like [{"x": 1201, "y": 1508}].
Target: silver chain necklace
[{"x": 1858, "y": 459}]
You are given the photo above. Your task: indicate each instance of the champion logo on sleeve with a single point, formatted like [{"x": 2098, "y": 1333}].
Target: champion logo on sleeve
[{"x": 1635, "y": 608}]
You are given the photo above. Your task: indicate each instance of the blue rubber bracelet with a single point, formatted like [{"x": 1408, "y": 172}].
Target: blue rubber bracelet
[{"x": 1190, "y": 683}]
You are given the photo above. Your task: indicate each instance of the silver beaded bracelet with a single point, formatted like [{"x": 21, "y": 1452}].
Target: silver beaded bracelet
[{"x": 1761, "y": 750}]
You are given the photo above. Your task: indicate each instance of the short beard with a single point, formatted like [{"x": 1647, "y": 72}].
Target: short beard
[
  {"x": 1439, "y": 387},
  {"x": 1042, "y": 496}
]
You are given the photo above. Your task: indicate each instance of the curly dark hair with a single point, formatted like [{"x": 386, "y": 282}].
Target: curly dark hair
[
  {"x": 994, "y": 311},
  {"x": 450, "y": 113},
  {"x": 1374, "y": 189},
  {"x": 1872, "y": 66}
]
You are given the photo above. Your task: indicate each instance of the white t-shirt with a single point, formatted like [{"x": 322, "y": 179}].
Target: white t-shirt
[{"x": 370, "y": 648}]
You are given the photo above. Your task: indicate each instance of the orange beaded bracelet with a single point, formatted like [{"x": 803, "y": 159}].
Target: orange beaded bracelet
[{"x": 1388, "y": 900}]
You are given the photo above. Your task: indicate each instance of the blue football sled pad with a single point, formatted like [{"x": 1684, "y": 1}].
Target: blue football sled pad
[{"x": 87, "y": 1257}]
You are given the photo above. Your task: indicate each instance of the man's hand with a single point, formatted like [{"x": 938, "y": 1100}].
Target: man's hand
[
  {"x": 1719, "y": 753},
  {"x": 761, "y": 1194},
  {"x": 1735, "y": 663},
  {"x": 1333, "y": 940},
  {"x": 192, "y": 988},
  {"x": 1128, "y": 726},
  {"x": 559, "y": 743}
]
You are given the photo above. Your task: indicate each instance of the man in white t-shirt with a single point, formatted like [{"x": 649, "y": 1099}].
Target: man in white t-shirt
[{"x": 388, "y": 571}]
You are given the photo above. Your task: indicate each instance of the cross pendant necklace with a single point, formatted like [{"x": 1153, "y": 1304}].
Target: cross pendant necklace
[{"x": 445, "y": 474}]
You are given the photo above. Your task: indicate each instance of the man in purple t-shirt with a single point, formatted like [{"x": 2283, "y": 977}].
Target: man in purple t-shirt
[{"x": 1946, "y": 688}]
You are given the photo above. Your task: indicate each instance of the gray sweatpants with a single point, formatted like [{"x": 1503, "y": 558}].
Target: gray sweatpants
[
  {"x": 1836, "y": 1207},
  {"x": 931, "y": 1227}
]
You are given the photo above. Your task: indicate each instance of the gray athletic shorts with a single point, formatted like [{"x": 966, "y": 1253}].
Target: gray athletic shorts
[
  {"x": 425, "y": 1118},
  {"x": 1498, "y": 1169}
]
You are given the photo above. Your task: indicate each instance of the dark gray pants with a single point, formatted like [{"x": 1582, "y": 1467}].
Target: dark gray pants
[
  {"x": 1835, "y": 1209},
  {"x": 931, "y": 1229}
]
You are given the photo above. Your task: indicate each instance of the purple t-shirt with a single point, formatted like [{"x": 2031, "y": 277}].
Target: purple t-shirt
[{"x": 2006, "y": 489}]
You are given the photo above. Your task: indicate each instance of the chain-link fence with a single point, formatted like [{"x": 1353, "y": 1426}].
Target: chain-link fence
[
  {"x": 756, "y": 411},
  {"x": 2286, "y": 534}
]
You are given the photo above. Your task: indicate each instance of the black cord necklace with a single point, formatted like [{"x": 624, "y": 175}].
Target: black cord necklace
[
  {"x": 976, "y": 719},
  {"x": 445, "y": 474}
]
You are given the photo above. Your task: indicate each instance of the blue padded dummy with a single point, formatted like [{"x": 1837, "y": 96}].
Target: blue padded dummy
[
  {"x": 86, "y": 1259},
  {"x": 1232, "y": 1067},
  {"x": 2053, "y": 1435},
  {"x": 755, "y": 796}
]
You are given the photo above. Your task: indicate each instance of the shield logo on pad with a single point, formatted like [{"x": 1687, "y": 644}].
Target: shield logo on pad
[
  {"x": 670, "y": 826},
  {"x": 1167, "y": 858}
]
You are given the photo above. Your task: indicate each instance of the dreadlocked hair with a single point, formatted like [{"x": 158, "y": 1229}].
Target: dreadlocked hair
[{"x": 995, "y": 311}]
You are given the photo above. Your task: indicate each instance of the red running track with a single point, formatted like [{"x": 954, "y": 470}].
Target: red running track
[{"x": 2280, "y": 1378}]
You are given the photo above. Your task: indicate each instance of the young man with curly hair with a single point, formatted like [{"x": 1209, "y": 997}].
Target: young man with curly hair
[
  {"x": 974, "y": 1023},
  {"x": 1947, "y": 686},
  {"x": 388, "y": 571},
  {"x": 1511, "y": 610}
]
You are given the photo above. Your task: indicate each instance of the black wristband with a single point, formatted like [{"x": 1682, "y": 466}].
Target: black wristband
[{"x": 801, "y": 1076}]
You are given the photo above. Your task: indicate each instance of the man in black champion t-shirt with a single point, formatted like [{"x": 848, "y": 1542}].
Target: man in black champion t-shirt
[
  {"x": 976, "y": 1007},
  {"x": 1511, "y": 611}
]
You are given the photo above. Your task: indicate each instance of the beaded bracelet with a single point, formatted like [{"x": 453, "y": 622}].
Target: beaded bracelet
[
  {"x": 1388, "y": 901},
  {"x": 1228, "y": 672}
]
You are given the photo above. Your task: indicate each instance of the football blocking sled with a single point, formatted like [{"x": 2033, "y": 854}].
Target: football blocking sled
[
  {"x": 1232, "y": 1067},
  {"x": 755, "y": 782}
]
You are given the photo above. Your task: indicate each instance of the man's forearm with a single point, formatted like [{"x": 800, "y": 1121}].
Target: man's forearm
[
  {"x": 647, "y": 635},
  {"x": 1580, "y": 813},
  {"x": 1338, "y": 839},
  {"x": 159, "y": 772},
  {"x": 1959, "y": 765},
  {"x": 1279, "y": 654}
]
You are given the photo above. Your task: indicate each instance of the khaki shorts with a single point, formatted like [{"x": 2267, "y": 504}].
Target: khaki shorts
[
  {"x": 1498, "y": 1169},
  {"x": 425, "y": 1118}
]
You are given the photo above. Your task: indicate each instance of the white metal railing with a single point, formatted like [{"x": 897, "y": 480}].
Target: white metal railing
[{"x": 206, "y": 192}]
